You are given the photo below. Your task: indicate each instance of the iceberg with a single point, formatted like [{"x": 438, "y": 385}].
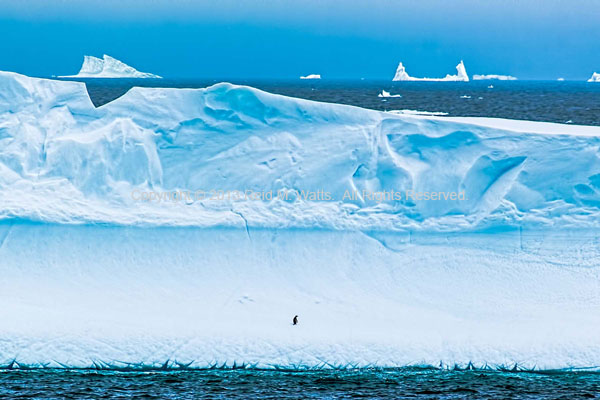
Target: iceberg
[
  {"x": 495, "y": 77},
  {"x": 311, "y": 76},
  {"x": 461, "y": 75},
  {"x": 108, "y": 67},
  {"x": 387, "y": 94},
  {"x": 186, "y": 227},
  {"x": 595, "y": 77},
  {"x": 418, "y": 112}
]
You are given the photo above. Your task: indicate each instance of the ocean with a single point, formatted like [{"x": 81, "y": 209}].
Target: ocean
[
  {"x": 407, "y": 383},
  {"x": 550, "y": 101}
]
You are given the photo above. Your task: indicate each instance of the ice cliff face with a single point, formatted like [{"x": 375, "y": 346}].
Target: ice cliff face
[
  {"x": 595, "y": 77},
  {"x": 461, "y": 75},
  {"x": 108, "y": 67}
]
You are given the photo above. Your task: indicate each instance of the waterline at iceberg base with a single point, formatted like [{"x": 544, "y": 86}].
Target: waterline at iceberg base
[{"x": 91, "y": 277}]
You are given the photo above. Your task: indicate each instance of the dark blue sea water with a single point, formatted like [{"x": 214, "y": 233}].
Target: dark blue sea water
[
  {"x": 247, "y": 384},
  {"x": 551, "y": 101}
]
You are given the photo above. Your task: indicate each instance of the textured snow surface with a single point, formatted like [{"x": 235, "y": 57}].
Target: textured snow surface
[
  {"x": 90, "y": 274},
  {"x": 108, "y": 67},
  {"x": 461, "y": 75},
  {"x": 595, "y": 77},
  {"x": 495, "y": 77},
  {"x": 64, "y": 161}
]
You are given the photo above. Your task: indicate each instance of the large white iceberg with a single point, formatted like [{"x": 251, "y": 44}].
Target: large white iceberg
[
  {"x": 595, "y": 77},
  {"x": 494, "y": 77},
  {"x": 461, "y": 75},
  {"x": 108, "y": 67},
  {"x": 188, "y": 226}
]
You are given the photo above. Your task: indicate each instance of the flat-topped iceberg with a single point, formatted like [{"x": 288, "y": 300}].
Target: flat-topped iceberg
[
  {"x": 461, "y": 75},
  {"x": 595, "y": 77},
  {"x": 494, "y": 77},
  {"x": 311, "y": 76},
  {"x": 108, "y": 67},
  {"x": 187, "y": 227}
]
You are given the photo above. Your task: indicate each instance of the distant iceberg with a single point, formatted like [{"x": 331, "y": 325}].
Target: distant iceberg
[
  {"x": 492, "y": 76},
  {"x": 417, "y": 112},
  {"x": 595, "y": 77},
  {"x": 311, "y": 76},
  {"x": 461, "y": 75},
  {"x": 108, "y": 67},
  {"x": 387, "y": 94},
  {"x": 560, "y": 79}
]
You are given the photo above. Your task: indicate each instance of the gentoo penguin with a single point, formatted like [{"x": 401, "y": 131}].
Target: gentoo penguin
[{"x": 295, "y": 320}]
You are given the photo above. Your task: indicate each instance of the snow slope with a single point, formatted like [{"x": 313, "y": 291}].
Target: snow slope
[
  {"x": 461, "y": 75},
  {"x": 94, "y": 273},
  {"x": 108, "y": 67},
  {"x": 595, "y": 77},
  {"x": 495, "y": 77}
]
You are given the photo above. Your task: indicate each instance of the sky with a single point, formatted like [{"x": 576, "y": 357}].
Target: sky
[{"x": 339, "y": 39}]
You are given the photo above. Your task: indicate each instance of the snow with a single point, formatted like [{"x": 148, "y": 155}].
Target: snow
[
  {"x": 108, "y": 67},
  {"x": 495, "y": 77},
  {"x": 595, "y": 77},
  {"x": 387, "y": 94},
  {"x": 311, "y": 76},
  {"x": 461, "y": 75},
  {"x": 94, "y": 275}
]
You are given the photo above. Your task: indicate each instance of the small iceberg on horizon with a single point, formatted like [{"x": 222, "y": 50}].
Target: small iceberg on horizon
[
  {"x": 311, "y": 76},
  {"x": 108, "y": 67},
  {"x": 387, "y": 94},
  {"x": 494, "y": 77},
  {"x": 595, "y": 77},
  {"x": 461, "y": 75},
  {"x": 417, "y": 112}
]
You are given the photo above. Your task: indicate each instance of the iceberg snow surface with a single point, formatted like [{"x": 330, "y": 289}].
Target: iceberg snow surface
[
  {"x": 108, "y": 67},
  {"x": 188, "y": 226},
  {"x": 595, "y": 77},
  {"x": 461, "y": 75}
]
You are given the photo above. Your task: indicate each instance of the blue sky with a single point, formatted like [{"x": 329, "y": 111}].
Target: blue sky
[{"x": 530, "y": 39}]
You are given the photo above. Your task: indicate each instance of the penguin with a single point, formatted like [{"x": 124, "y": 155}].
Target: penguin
[{"x": 295, "y": 320}]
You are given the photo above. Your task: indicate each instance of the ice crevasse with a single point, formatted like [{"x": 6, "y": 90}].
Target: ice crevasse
[{"x": 96, "y": 274}]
